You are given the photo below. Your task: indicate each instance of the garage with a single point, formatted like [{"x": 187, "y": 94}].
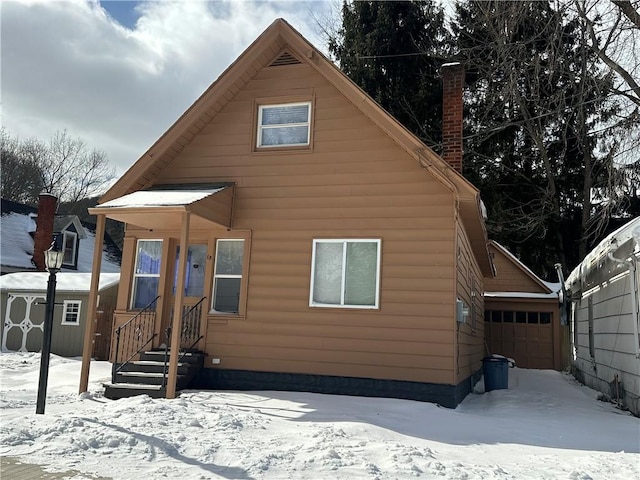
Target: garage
[
  {"x": 522, "y": 330},
  {"x": 522, "y": 314}
]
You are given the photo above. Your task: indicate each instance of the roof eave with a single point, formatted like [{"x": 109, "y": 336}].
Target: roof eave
[{"x": 191, "y": 114}]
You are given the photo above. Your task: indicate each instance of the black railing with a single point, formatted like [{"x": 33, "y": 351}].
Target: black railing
[
  {"x": 190, "y": 325},
  {"x": 134, "y": 336},
  {"x": 189, "y": 334}
]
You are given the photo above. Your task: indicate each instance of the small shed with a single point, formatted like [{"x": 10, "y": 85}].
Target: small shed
[
  {"x": 605, "y": 317},
  {"x": 23, "y": 297}
]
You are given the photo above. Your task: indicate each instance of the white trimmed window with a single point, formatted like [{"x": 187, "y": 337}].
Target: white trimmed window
[
  {"x": 146, "y": 275},
  {"x": 284, "y": 125},
  {"x": 71, "y": 312},
  {"x": 69, "y": 245},
  {"x": 227, "y": 276},
  {"x": 345, "y": 273}
]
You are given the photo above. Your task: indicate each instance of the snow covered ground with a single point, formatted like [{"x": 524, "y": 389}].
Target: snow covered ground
[{"x": 545, "y": 426}]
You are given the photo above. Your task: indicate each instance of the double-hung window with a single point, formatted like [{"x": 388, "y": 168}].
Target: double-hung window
[
  {"x": 345, "y": 273},
  {"x": 284, "y": 125},
  {"x": 69, "y": 243},
  {"x": 146, "y": 275},
  {"x": 71, "y": 312},
  {"x": 227, "y": 276}
]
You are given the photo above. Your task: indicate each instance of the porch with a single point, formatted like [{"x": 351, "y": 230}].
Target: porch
[{"x": 157, "y": 281}]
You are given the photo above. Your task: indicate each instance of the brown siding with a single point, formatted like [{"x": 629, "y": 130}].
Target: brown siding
[
  {"x": 470, "y": 335},
  {"x": 352, "y": 182},
  {"x": 509, "y": 277},
  {"x": 531, "y": 345}
]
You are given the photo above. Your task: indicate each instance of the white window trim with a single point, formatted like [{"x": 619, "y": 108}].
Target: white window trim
[
  {"x": 261, "y": 127},
  {"x": 67, "y": 234},
  {"x": 142, "y": 275},
  {"x": 65, "y": 310},
  {"x": 212, "y": 310},
  {"x": 344, "y": 241}
]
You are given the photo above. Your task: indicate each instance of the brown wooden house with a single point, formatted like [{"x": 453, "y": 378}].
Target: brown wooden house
[
  {"x": 329, "y": 249},
  {"x": 522, "y": 314}
]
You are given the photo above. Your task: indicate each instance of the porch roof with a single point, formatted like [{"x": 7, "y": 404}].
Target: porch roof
[{"x": 162, "y": 206}]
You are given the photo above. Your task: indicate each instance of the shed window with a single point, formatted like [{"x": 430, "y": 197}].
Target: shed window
[
  {"x": 227, "y": 276},
  {"x": 284, "y": 125},
  {"x": 69, "y": 247},
  {"x": 345, "y": 273},
  {"x": 71, "y": 312},
  {"x": 146, "y": 275}
]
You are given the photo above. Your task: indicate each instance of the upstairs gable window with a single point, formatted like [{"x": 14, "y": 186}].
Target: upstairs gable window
[{"x": 284, "y": 125}]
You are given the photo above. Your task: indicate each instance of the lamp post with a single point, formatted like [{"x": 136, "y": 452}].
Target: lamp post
[{"x": 53, "y": 261}]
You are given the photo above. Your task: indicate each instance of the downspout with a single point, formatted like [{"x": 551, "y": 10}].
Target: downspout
[
  {"x": 631, "y": 263},
  {"x": 564, "y": 301}
]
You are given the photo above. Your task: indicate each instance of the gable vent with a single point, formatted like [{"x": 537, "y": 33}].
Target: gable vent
[{"x": 285, "y": 58}]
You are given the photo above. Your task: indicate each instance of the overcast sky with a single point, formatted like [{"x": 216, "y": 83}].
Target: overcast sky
[{"x": 119, "y": 73}]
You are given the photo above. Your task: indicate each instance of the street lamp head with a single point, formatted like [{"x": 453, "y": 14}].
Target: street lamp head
[{"x": 53, "y": 259}]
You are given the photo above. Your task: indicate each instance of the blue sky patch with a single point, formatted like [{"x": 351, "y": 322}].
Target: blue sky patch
[{"x": 122, "y": 11}]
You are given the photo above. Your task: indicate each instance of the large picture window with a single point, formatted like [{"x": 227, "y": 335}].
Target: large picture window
[
  {"x": 146, "y": 275},
  {"x": 345, "y": 273},
  {"x": 227, "y": 276},
  {"x": 284, "y": 125}
]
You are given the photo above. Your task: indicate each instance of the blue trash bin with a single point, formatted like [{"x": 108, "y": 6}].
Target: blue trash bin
[{"x": 496, "y": 373}]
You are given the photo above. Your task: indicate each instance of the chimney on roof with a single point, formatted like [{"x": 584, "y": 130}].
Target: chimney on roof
[
  {"x": 44, "y": 228},
  {"x": 452, "y": 88}
]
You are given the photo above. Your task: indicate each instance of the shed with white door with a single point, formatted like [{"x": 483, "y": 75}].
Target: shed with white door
[{"x": 23, "y": 297}]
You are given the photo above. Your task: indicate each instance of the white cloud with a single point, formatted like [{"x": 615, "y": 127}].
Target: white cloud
[{"x": 69, "y": 65}]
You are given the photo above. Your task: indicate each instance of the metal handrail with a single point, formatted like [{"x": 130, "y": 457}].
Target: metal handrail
[
  {"x": 186, "y": 350},
  {"x": 148, "y": 312},
  {"x": 147, "y": 307},
  {"x": 184, "y": 328}
]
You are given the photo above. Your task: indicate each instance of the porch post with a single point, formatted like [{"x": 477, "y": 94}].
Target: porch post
[
  {"x": 177, "y": 308},
  {"x": 90, "y": 324}
]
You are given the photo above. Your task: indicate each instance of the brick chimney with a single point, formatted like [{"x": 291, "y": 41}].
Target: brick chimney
[
  {"x": 452, "y": 87},
  {"x": 44, "y": 228}
]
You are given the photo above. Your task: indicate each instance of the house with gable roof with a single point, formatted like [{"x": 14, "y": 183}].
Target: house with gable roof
[
  {"x": 25, "y": 232},
  {"x": 293, "y": 235},
  {"x": 603, "y": 306},
  {"x": 20, "y": 227}
]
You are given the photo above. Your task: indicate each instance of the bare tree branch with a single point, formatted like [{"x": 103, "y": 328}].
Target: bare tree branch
[
  {"x": 65, "y": 166},
  {"x": 629, "y": 10}
]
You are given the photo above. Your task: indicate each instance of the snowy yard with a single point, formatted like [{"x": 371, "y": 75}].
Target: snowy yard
[{"x": 545, "y": 426}]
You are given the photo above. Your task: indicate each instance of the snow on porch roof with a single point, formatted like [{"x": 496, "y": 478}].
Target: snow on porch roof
[
  {"x": 65, "y": 282},
  {"x": 164, "y": 196},
  {"x": 209, "y": 204}
]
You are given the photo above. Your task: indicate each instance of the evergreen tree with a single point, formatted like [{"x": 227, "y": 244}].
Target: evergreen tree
[
  {"x": 393, "y": 51},
  {"x": 538, "y": 138}
]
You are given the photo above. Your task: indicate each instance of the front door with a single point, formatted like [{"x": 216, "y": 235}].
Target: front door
[{"x": 194, "y": 289}]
